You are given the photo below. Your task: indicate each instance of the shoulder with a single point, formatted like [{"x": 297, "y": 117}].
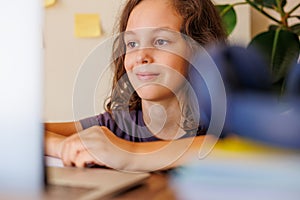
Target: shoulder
[{"x": 102, "y": 119}]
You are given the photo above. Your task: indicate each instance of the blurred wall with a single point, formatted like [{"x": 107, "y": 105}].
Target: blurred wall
[{"x": 64, "y": 53}]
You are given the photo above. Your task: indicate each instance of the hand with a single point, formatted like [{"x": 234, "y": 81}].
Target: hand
[
  {"x": 92, "y": 146},
  {"x": 98, "y": 145}
]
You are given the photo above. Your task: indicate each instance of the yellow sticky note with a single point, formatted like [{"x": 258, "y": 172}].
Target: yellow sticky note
[
  {"x": 49, "y": 3},
  {"x": 87, "y": 25}
]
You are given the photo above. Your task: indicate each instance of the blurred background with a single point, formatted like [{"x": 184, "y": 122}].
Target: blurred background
[{"x": 65, "y": 52}]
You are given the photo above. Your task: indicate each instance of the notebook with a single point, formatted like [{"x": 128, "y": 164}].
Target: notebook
[{"x": 22, "y": 171}]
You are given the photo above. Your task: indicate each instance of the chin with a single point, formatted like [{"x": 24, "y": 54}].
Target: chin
[{"x": 153, "y": 92}]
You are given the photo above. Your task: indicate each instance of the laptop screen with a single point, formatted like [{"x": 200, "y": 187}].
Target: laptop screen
[{"x": 21, "y": 69}]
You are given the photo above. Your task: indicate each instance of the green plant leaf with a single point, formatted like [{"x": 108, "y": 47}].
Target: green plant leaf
[
  {"x": 280, "y": 48},
  {"x": 269, "y": 3},
  {"x": 296, "y": 29},
  {"x": 273, "y": 27},
  {"x": 228, "y": 16}
]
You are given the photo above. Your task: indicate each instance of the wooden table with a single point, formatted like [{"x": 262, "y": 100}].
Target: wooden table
[{"x": 155, "y": 188}]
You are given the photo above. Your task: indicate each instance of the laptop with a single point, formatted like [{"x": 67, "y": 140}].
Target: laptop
[
  {"x": 23, "y": 174},
  {"x": 89, "y": 183}
]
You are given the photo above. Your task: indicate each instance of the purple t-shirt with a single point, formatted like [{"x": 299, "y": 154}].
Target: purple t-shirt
[{"x": 127, "y": 125}]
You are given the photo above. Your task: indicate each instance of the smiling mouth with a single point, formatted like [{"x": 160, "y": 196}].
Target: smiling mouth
[{"x": 147, "y": 76}]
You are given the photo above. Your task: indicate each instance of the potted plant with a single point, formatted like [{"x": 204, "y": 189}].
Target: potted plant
[{"x": 279, "y": 45}]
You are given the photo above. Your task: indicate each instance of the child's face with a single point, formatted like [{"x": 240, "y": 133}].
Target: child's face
[{"x": 155, "y": 50}]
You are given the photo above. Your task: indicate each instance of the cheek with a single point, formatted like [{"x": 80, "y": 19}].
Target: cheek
[
  {"x": 127, "y": 63},
  {"x": 180, "y": 65},
  {"x": 185, "y": 69}
]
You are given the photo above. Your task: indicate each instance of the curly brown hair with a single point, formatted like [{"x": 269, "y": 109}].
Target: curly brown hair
[{"x": 201, "y": 22}]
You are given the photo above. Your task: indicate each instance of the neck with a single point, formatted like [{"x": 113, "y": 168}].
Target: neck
[{"x": 163, "y": 118}]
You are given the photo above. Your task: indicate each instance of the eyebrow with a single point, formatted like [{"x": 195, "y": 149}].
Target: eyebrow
[{"x": 154, "y": 30}]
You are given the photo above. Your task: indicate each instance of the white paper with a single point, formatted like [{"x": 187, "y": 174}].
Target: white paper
[{"x": 53, "y": 162}]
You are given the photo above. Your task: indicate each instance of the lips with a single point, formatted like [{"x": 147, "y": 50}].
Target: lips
[{"x": 147, "y": 76}]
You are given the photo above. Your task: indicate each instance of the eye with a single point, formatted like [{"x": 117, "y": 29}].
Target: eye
[
  {"x": 161, "y": 42},
  {"x": 131, "y": 44}
]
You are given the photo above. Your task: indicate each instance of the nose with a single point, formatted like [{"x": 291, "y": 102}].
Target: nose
[
  {"x": 137, "y": 58},
  {"x": 143, "y": 56}
]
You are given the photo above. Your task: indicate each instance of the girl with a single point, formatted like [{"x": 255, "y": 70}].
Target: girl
[{"x": 147, "y": 109}]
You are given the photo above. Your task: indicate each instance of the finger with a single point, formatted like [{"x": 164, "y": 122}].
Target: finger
[
  {"x": 64, "y": 153},
  {"x": 84, "y": 157},
  {"x": 71, "y": 147}
]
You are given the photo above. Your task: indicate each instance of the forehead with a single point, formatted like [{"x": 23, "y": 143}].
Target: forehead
[
  {"x": 154, "y": 13},
  {"x": 146, "y": 32}
]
